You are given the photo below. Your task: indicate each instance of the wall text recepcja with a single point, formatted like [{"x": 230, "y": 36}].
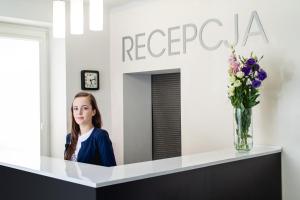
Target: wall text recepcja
[{"x": 133, "y": 46}]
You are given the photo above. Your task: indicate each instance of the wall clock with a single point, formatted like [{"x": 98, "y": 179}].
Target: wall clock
[{"x": 89, "y": 80}]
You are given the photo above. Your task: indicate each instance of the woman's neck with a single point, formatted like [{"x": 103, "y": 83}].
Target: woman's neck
[{"x": 85, "y": 128}]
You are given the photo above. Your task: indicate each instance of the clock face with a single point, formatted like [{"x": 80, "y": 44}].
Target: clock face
[{"x": 90, "y": 80}]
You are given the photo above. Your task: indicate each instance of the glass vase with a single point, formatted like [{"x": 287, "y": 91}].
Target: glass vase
[{"x": 243, "y": 129}]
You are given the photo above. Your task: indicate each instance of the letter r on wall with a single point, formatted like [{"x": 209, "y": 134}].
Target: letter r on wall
[{"x": 127, "y": 50}]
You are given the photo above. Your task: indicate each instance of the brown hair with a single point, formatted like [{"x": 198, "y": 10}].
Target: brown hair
[{"x": 96, "y": 121}]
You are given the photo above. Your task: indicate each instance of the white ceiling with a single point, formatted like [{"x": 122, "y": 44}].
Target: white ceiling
[
  {"x": 109, "y": 3},
  {"x": 112, "y": 3}
]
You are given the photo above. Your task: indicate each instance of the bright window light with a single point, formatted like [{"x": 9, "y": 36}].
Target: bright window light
[
  {"x": 96, "y": 15},
  {"x": 59, "y": 20},
  {"x": 20, "y": 97},
  {"x": 76, "y": 16}
]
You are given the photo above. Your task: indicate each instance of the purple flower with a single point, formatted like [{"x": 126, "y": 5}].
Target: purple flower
[
  {"x": 256, "y": 83},
  {"x": 255, "y": 67},
  {"x": 246, "y": 69},
  {"x": 262, "y": 75},
  {"x": 250, "y": 61}
]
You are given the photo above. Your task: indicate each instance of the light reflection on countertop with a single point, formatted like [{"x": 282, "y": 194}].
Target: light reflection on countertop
[{"x": 98, "y": 176}]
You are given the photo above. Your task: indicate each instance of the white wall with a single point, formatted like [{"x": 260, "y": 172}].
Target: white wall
[
  {"x": 206, "y": 110},
  {"x": 58, "y": 98},
  {"x": 89, "y": 51},
  {"x": 137, "y": 118}
]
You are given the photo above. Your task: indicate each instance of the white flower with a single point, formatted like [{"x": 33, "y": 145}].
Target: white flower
[
  {"x": 237, "y": 83},
  {"x": 248, "y": 82},
  {"x": 231, "y": 79},
  {"x": 230, "y": 91},
  {"x": 240, "y": 74},
  {"x": 230, "y": 70}
]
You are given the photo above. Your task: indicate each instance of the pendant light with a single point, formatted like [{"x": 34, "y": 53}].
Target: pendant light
[
  {"x": 76, "y": 16},
  {"x": 96, "y": 15},
  {"x": 59, "y": 21}
]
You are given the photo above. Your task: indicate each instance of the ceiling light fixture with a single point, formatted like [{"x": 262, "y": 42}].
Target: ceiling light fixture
[
  {"x": 76, "y": 16},
  {"x": 96, "y": 15},
  {"x": 59, "y": 21}
]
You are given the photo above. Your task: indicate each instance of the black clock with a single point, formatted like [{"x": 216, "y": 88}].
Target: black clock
[{"x": 89, "y": 80}]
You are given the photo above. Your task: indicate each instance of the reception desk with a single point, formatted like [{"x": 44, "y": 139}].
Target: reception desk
[{"x": 222, "y": 174}]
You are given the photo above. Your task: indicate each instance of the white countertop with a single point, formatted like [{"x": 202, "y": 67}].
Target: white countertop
[{"x": 97, "y": 176}]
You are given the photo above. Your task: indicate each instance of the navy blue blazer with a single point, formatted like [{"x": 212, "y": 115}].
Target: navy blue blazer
[{"x": 97, "y": 149}]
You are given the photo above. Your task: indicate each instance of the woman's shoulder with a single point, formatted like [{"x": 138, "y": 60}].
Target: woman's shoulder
[{"x": 100, "y": 134}]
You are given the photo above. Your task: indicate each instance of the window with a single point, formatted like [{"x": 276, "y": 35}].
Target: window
[{"x": 23, "y": 88}]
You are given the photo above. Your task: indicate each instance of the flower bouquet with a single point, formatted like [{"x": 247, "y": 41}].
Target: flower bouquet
[{"x": 245, "y": 78}]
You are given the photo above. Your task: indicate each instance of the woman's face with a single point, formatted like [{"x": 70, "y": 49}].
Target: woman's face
[{"x": 83, "y": 111}]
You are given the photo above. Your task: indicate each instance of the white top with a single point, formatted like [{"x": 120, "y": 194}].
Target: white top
[
  {"x": 81, "y": 138},
  {"x": 97, "y": 176}
]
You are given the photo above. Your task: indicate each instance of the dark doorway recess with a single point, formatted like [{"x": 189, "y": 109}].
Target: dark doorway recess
[{"x": 166, "y": 115}]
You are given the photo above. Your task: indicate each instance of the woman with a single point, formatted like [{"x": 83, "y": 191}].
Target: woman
[{"x": 87, "y": 142}]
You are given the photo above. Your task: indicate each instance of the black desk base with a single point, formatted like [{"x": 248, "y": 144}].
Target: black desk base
[{"x": 257, "y": 178}]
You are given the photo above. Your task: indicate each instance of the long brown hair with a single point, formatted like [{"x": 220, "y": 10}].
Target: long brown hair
[{"x": 96, "y": 121}]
